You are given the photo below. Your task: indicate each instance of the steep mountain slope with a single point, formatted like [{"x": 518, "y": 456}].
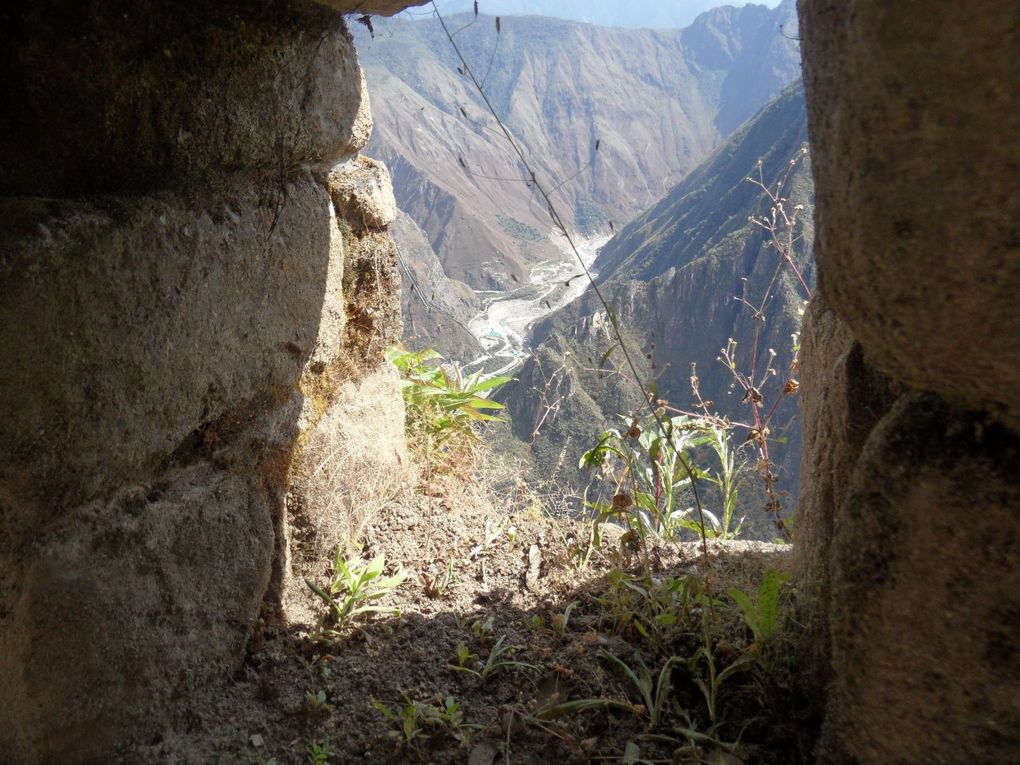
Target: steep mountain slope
[
  {"x": 674, "y": 276},
  {"x": 435, "y": 309},
  {"x": 657, "y": 102}
]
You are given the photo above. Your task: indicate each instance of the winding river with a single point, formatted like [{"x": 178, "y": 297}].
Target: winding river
[{"x": 503, "y": 324}]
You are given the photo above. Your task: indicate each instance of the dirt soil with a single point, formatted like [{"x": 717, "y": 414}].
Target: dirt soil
[{"x": 482, "y": 578}]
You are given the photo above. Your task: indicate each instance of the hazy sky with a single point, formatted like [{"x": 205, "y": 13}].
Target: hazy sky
[{"x": 628, "y": 13}]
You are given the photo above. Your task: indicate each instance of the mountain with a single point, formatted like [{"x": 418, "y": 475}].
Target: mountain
[
  {"x": 642, "y": 14},
  {"x": 673, "y": 276},
  {"x": 655, "y": 103},
  {"x": 435, "y": 308}
]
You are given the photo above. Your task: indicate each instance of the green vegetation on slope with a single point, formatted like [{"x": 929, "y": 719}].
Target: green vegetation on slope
[{"x": 674, "y": 277}]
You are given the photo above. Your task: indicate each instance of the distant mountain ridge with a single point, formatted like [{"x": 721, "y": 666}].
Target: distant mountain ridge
[
  {"x": 625, "y": 14},
  {"x": 672, "y": 276},
  {"x": 657, "y": 102}
]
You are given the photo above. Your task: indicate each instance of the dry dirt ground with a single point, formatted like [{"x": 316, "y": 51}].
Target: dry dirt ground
[{"x": 501, "y": 621}]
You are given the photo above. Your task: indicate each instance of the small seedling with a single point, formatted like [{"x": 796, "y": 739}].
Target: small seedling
[
  {"x": 353, "y": 588},
  {"x": 495, "y": 662},
  {"x": 417, "y": 720},
  {"x": 317, "y": 702},
  {"x": 464, "y": 655},
  {"x": 483, "y": 627},
  {"x": 560, "y": 621},
  {"x": 762, "y": 615},
  {"x": 439, "y": 586},
  {"x": 319, "y": 752},
  {"x": 654, "y": 690}
]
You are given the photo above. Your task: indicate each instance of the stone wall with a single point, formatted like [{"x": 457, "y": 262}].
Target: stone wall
[
  {"x": 184, "y": 311},
  {"x": 909, "y": 533}
]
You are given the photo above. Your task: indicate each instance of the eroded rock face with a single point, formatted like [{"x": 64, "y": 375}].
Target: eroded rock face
[
  {"x": 183, "y": 311},
  {"x": 925, "y": 595},
  {"x": 909, "y": 526},
  {"x": 362, "y": 192},
  {"x": 914, "y": 121}
]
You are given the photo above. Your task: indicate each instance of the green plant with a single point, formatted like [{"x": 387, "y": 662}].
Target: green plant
[
  {"x": 439, "y": 585},
  {"x": 464, "y": 655},
  {"x": 418, "y": 720},
  {"x": 319, "y": 752},
  {"x": 483, "y": 626},
  {"x": 353, "y": 588},
  {"x": 713, "y": 678},
  {"x": 651, "y": 469},
  {"x": 560, "y": 621},
  {"x": 496, "y": 661},
  {"x": 317, "y": 702},
  {"x": 442, "y": 406},
  {"x": 652, "y": 606},
  {"x": 761, "y": 615},
  {"x": 654, "y": 688}
]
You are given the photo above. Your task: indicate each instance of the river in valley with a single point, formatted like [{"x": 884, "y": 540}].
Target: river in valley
[{"x": 503, "y": 325}]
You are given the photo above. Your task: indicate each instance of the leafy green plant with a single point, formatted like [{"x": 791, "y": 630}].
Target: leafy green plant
[
  {"x": 442, "y": 405},
  {"x": 319, "y": 752},
  {"x": 761, "y": 615},
  {"x": 711, "y": 680},
  {"x": 416, "y": 721},
  {"x": 352, "y": 590},
  {"x": 464, "y": 655},
  {"x": 652, "y": 606},
  {"x": 483, "y": 626},
  {"x": 496, "y": 661},
  {"x": 651, "y": 466},
  {"x": 317, "y": 702},
  {"x": 654, "y": 688}
]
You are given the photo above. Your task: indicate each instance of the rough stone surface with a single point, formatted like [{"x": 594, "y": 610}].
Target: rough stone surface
[
  {"x": 154, "y": 349},
  {"x": 914, "y": 116},
  {"x": 150, "y": 318},
  {"x": 362, "y": 192},
  {"x": 128, "y": 604},
  {"x": 843, "y": 398},
  {"x": 926, "y": 591},
  {"x": 117, "y": 96},
  {"x": 908, "y": 532},
  {"x": 182, "y": 311}
]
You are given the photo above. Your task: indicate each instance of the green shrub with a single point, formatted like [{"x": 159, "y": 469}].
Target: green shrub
[
  {"x": 442, "y": 408},
  {"x": 651, "y": 467}
]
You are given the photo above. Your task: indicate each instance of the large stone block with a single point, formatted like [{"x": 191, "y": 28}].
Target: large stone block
[
  {"x": 843, "y": 398},
  {"x": 150, "y": 390},
  {"x": 129, "y": 325},
  {"x": 925, "y": 592},
  {"x": 135, "y": 96},
  {"x": 167, "y": 343},
  {"x": 914, "y": 119},
  {"x": 362, "y": 193},
  {"x": 126, "y": 605}
]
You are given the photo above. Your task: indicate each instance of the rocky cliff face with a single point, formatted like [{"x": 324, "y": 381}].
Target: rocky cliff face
[
  {"x": 187, "y": 313},
  {"x": 910, "y": 534},
  {"x": 436, "y": 309},
  {"x": 673, "y": 276},
  {"x": 656, "y": 101}
]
